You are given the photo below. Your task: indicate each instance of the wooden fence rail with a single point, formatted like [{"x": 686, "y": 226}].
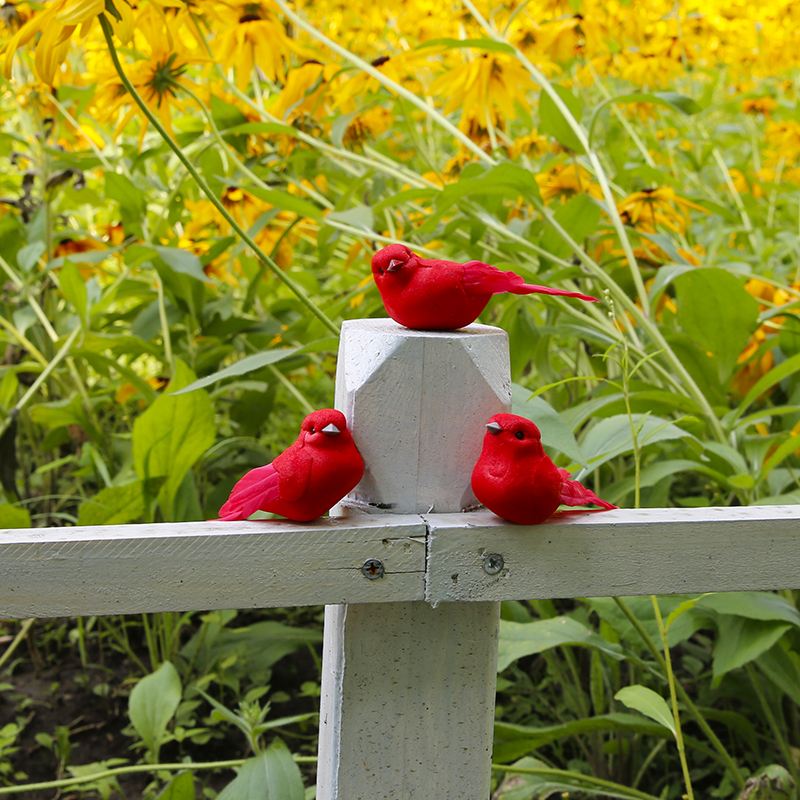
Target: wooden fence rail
[{"x": 411, "y": 589}]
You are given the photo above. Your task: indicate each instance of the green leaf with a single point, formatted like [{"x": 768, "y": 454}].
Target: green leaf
[
  {"x": 180, "y": 787},
  {"x": 612, "y": 437},
  {"x": 742, "y": 640},
  {"x": 553, "y": 122},
  {"x": 579, "y": 216},
  {"x": 782, "y": 669},
  {"x": 114, "y": 505},
  {"x": 555, "y": 432},
  {"x": 518, "y": 639},
  {"x": 775, "y": 375},
  {"x": 182, "y": 261},
  {"x": 241, "y": 367},
  {"x": 14, "y": 517},
  {"x": 359, "y": 216},
  {"x": 772, "y": 782},
  {"x": 29, "y": 255},
  {"x": 272, "y": 775},
  {"x": 132, "y": 201},
  {"x": 153, "y": 703},
  {"x": 172, "y": 434},
  {"x": 753, "y": 605},
  {"x": 73, "y": 288},
  {"x": 649, "y": 703},
  {"x": 687, "y": 605},
  {"x": 717, "y": 313},
  {"x": 480, "y": 44}
]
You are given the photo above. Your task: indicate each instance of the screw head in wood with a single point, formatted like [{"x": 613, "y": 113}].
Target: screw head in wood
[
  {"x": 493, "y": 563},
  {"x": 372, "y": 569}
]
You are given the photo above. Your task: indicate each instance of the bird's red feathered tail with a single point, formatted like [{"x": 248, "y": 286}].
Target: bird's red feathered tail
[
  {"x": 576, "y": 494},
  {"x": 256, "y": 488},
  {"x": 485, "y": 278}
]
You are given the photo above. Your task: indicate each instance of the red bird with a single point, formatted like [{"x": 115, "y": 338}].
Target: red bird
[
  {"x": 306, "y": 479},
  {"x": 435, "y": 295},
  {"x": 517, "y": 481}
]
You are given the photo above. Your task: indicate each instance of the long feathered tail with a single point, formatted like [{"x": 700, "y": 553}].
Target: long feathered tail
[
  {"x": 256, "y": 488},
  {"x": 486, "y": 278},
  {"x": 576, "y": 494}
]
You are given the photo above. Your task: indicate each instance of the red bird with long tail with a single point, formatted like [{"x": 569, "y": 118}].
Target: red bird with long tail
[
  {"x": 305, "y": 480},
  {"x": 435, "y": 295},
  {"x": 516, "y": 480}
]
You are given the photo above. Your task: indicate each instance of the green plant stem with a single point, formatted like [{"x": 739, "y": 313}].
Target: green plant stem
[
  {"x": 295, "y": 287},
  {"x": 773, "y": 723},
  {"x": 41, "y": 378},
  {"x": 135, "y": 768},
  {"x": 291, "y": 388},
  {"x": 685, "y": 699},
  {"x": 24, "y": 341},
  {"x": 387, "y": 82},
  {"x": 674, "y": 698},
  {"x": 21, "y": 633},
  {"x": 546, "y": 772}
]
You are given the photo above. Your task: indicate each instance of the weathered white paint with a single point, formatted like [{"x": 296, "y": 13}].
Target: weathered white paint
[
  {"x": 611, "y": 553},
  {"x": 408, "y": 690},
  {"x": 52, "y": 572}
]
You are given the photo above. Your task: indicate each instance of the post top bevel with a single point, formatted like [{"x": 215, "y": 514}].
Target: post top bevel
[{"x": 388, "y": 326}]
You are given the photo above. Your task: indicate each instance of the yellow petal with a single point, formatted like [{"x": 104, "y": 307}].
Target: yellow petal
[{"x": 79, "y": 11}]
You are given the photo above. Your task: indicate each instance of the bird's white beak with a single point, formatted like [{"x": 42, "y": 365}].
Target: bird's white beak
[
  {"x": 331, "y": 430},
  {"x": 494, "y": 427},
  {"x": 394, "y": 265}
]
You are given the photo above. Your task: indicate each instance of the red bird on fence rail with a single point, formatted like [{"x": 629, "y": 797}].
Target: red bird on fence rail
[
  {"x": 305, "y": 480},
  {"x": 435, "y": 295},
  {"x": 516, "y": 480}
]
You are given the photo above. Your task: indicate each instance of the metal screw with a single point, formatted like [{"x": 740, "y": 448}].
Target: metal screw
[
  {"x": 372, "y": 569},
  {"x": 493, "y": 563}
]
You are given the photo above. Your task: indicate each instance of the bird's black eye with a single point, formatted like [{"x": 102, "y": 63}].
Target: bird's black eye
[
  {"x": 519, "y": 435},
  {"x": 312, "y": 430},
  {"x": 380, "y": 270}
]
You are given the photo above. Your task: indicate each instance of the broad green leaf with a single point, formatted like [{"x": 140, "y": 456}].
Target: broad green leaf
[
  {"x": 272, "y": 775},
  {"x": 753, "y": 605},
  {"x": 782, "y": 453},
  {"x": 553, "y": 122},
  {"x": 479, "y": 44},
  {"x": 241, "y": 367},
  {"x": 29, "y": 255},
  {"x": 782, "y": 669},
  {"x": 14, "y": 517},
  {"x": 153, "y": 703},
  {"x": 73, "y": 288},
  {"x": 612, "y": 436},
  {"x": 656, "y": 472},
  {"x": 649, "y": 703},
  {"x": 555, "y": 432},
  {"x": 642, "y": 608},
  {"x": 717, "y": 313},
  {"x": 357, "y": 217},
  {"x": 172, "y": 434},
  {"x": 742, "y": 640},
  {"x": 180, "y": 787},
  {"x": 132, "y": 201},
  {"x": 114, "y": 505},
  {"x": 579, "y": 217},
  {"x": 182, "y": 261},
  {"x": 527, "y": 638},
  {"x": 8, "y": 389}
]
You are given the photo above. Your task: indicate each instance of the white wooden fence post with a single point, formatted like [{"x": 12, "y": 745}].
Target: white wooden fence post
[{"x": 408, "y": 689}]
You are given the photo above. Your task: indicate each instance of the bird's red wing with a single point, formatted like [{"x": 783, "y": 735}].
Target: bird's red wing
[
  {"x": 576, "y": 494},
  {"x": 294, "y": 468},
  {"x": 257, "y": 487},
  {"x": 480, "y": 278}
]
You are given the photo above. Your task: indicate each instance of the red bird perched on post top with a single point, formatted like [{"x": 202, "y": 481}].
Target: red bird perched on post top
[
  {"x": 516, "y": 480},
  {"x": 305, "y": 480},
  {"x": 435, "y": 295}
]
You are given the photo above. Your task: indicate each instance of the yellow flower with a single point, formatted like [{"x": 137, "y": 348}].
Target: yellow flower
[
  {"x": 759, "y": 105},
  {"x": 304, "y": 92},
  {"x": 566, "y": 180},
  {"x": 485, "y": 88},
  {"x": 652, "y": 207},
  {"x": 784, "y": 140}
]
